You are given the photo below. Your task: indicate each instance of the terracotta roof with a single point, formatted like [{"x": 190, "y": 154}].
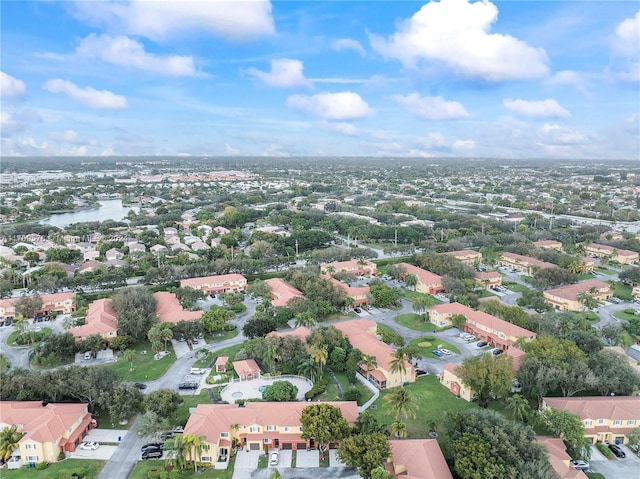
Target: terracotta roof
[
  {"x": 547, "y": 243},
  {"x": 101, "y": 319},
  {"x": 419, "y": 458},
  {"x": 246, "y": 366},
  {"x": 559, "y": 459},
  {"x": 282, "y": 292},
  {"x": 210, "y": 420},
  {"x": 424, "y": 276},
  {"x": 571, "y": 291},
  {"x": 487, "y": 275},
  {"x": 41, "y": 424},
  {"x": 350, "y": 291},
  {"x": 348, "y": 265},
  {"x": 169, "y": 309},
  {"x": 222, "y": 360},
  {"x": 517, "y": 355},
  {"x": 302, "y": 332},
  {"x": 47, "y": 299},
  {"x": 462, "y": 253},
  {"x": 527, "y": 260},
  {"x": 599, "y": 407},
  {"x": 484, "y": 319},
  {"x": 217, "y": 279}
]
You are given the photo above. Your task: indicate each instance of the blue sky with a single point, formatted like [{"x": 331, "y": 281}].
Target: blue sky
[{"x": 453, "y": 78}]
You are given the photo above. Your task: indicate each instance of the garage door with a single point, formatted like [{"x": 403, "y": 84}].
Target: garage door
[
  {"x": 287, "y": 446},
  {"x": 301, "y": 445},
  {"x": 254, "y": 446}
]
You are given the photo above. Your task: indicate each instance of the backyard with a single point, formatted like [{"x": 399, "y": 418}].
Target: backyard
[
  {"x": 417, "y": 322},
  {"x": 331, "y": 394},
  {"x": 145, "y": 366},
  {"x": 146, "y": 469},
  {"x": 85, "y": 468}
]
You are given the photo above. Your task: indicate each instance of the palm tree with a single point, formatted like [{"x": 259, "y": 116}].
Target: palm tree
[
  {"x": 320, "y": 354},
  {"x": 130, "y": 355},
  {"x": 194, "y": 444},
  {"x": 9, "y": 439},
  {"x": 369, "y": 362},
  {"x": 166, "y": 335},
  {"x": 586, "y": 299},
  {"x": 411, "y": 280},
  {"x": 21, "y": 323},
  {"x": 178, "y": 448},
  {"x": 399, "y": 362},
  {"x": 519, "y": 407},
  {"x": 331, "y": 269},
  {"x": 310, "y": 369},
  {"x": 577, "y": 266},
  {"x": 305, "y": 319},
  {"x": 399, "y": 429},
  {"x": 421, "y": 303},
  {"x": 270, "y": 355},
  {"x": 401, "y": 403}
]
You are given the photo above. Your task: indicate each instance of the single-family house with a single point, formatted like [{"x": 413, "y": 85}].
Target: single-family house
[
  {"x": 101, "y": 319},
  {"x": 487, "y": 279},
  {"x": 567, "y": 298},
  {"x": 137, "y": 248},
  {"x": 49, "y": 429},
  {"x": 417, "y": 459},
  {"x": 467, "y": 256},
  {"x": 90, "y": 267},
  {"x": 275, "y": 425},
  {"x": 113, "y": 253},
  {"x": 360, "y": 267},
  {"x": 169, "y": 309},
  {"x": 428, "y": 282},
  {"x": 605, "y": 418},
  {"x": 358, "y": 294},
  {"x": 224, "y": 283},
  {"x": 524, "y": 264},
  {"x": 282, "y": 292}
]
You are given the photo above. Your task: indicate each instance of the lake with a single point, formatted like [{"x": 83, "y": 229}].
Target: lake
[{"x": 108, "y": 210}]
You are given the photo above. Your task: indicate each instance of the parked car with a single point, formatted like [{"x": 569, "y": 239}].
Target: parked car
[
  {"x": 619, "y": 453},
  {"x": 152, "y": 454},
  {"x": 167, "y": 435},
  {"x": 420, "y": 372},
  {"x": 580, "y": 465},
  {"x": 438, "y": 353},
  {"x": 470, "y": 338},
  {"x": 481, "y": 344},
  {"x": 178, "y": 429},
  {"x": 88, "y": 355},
  {"x": 357, "y": 310},
  {"x": 445, "y": 351},
  {"x": 89, "y": 445},
  {"x": 188, "y": 385},
  {"x": 273, "y": 458},
  {"x": 152, "y": 446},
  {"x": 141, "y": 386},
  {"x": 497, "y": 352}
]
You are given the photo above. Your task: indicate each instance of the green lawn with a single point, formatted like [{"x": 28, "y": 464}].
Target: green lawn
[
  {"x": 415, "y": 321},
  {"x": 433, "y": 401},
  {"x": 622, "y": 291},
  {"x": 331, "y": 394},
  {"x": 4, "y": 364},
  {"x": 58, "y": 470},
  {"x": 602, "y": 270},
  {"x": 189, "y": 402},
  {"x": 433, "y": 343},
  {"x": 145, "y": 367},
  {"x": 627, "y": 314},
  {"x": 412, "y": 295},
  {"x": 143, "y": 468},
  {"x": 517, "y": 287}
]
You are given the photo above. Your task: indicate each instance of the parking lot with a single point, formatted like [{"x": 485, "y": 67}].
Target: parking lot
[{"x": 615, "y": 468}]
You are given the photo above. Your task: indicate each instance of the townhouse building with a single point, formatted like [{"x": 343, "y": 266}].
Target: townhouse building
[
  {"x": 49, "y": 429},
  {"x": 253, "y": 426},
  {"x": 559, "y": 459},
  {"x": 417, "y": 459},
  {"x": 605, "y": 418},
  {"x": 548, "y": 244},
  {"x": 487, "y": 279},
  {"x": 567, "y": 298},
  {"x": 524, "y": 264},
  {"x": 101, "y": 319},
  {"x": 282, "y": 292},
  {"x": 467, "y": 256},
  {"x": 60, "y": 303},
  {"x": 428, "y": 282},
  {"x": 622, "y": 256},
  {"x": 358, "y": 294},
  {"x": 224, "y": 283},
  {"x": 360, "y": 267},
  {"x": 169, "y": 309}
]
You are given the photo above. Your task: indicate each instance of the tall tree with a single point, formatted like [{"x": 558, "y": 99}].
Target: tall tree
[
  {"x": 323, "y": 423},
  {"x": 398, "y": 363},
  {"x": 568, "y": 427},
  {"x": 487, "y": 375},
  {"x": 364, "y": 452},
  {"x": 27, "y": 306},
  {"x": 401, "y": 403},
  {"x": 9, "y": 439},
  {"x": 519, "y": 407},
  {"x": 136, "y": 309}
]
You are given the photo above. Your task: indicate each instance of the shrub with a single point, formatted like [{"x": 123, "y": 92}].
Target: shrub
[
  {"x": 317, "y": 389},
  {"x": 352, "y": 395},
  {"x": 41, "y": 465}
]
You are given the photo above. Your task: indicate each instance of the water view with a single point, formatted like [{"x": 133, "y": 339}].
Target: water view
[{"x": 108, "y": 210}]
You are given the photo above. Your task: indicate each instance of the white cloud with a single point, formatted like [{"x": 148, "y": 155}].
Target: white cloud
[
  {"x": 464, "y": 145},
  {"x": 160, "y": 21},
  {"x": 126, "y": 52},
  {"x": 572, "y": 78},
  {"x": 348, "y": 44},
  {"x": 332, "y": 106},
  {"x": 230, "y": 150},
  {"x": 457, "y": 34},
  {"x": 432, "y": 140},
  {"x": 10, "y": 125},
  {"x": 102, "y": 99},
  {"x": 556, "y": 135},
  {"x": 71, "y": 137},
  {"x": 548, "y": 108},
  {"x": 10, "y": 87},
  {"x": 626, "y": 49},
  {"x": 342, "y": 127},
  {"x": 432, "y": 107},
  {"x": 285, "y": 72}
]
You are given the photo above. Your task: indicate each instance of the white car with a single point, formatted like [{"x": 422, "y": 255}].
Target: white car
[
  {"x": 580, "y": 465},
  {"x": 273, "y": 458},
  {"x": 90, "y": 445},
  {"x": 446, "y": 352}
]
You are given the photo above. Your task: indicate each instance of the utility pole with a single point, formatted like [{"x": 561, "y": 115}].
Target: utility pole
[{"x": 296, "y": 248}]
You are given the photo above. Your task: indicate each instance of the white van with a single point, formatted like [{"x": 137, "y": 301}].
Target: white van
[{"x": 88, "y": 355}]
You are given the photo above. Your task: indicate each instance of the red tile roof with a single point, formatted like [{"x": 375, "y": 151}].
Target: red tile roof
[
  {"x": 419, "y": 459},
  {"x": 518, "y": 258},
  {"x": 425, "y": 277},
  {"x": 169, "y": 309},
  {"x": 599, "y": 407},
  {"x": 101, "y": 319},
  {"x": 559, "y": 459},
  {"x": 222, "y": 278},
  {"x": 571, "y": 291},
  {"x": 282, "y": 292}
]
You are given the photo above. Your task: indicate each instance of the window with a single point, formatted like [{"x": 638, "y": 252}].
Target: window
[
  {"x": 600, "y": 421},
  {"x": 271, "y": 428},
  {"x": 254, "y": 429},
  {"x": 300, "y": 428},
  {"x": 32, "y": 458},
  {"x": 617, "y": 422},
  {"x": 205, "y": 458},
  {"x": 205, "y": 447},
  {"x": 286, "y": 429},
  {"x": 631, "y": 422},
  {"x": 587, "y": 422},
  {"x": 267, "y": 440},
  {"x": 224, "y": 434},
  {"x": 30, "y": 446}
]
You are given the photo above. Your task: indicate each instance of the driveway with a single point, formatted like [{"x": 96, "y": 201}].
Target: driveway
[
  {"x": 616, "y": 468},
  {"x": 307, "y": 473},
  {"x": 103, "y": 453},
  {"x": 106, "y": 435},
  {"x": 307, "y": 458}
]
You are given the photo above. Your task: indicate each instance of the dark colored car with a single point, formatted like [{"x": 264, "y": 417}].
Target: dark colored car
[
  {"x": 167, "y": 435},
  {"x": 481, "y": 344},
  {"x": 152, "y": 446},
  {"x": 357, "y": 310},
  {"x": 188, "y": 386},
  {"x": 140, "y": 386},
  {"x": 617, "y": 451},
  {"x": 152, "y": 454}
]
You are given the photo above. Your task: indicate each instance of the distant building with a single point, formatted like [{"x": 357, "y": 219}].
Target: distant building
[
  {"x": 428, "y": 282},
  {"x": 636, "y": 292},
  {"x": 605, "y": 418},
  {"x": 101, "y": 319},
  {"x": 224, "y": 283},
  {"x": 361, "y": 267},
  {"x": 523, "y": 264},
  {"x": 487, "y": 279},
  {"x": 566, "y": 298},
  {"x": 358, "y": 295},
  {"x": 548, "y": 244},
  {"x": 466, "y": 256},
  {"x": 60, "y": 303},
  {"x": 282, "y": 292},
  {"x": 622, "y": 256}
]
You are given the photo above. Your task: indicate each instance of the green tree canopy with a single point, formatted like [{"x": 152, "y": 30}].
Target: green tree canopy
[
  {"x": 365, "y": 452},
  {"x": 323, "y": 423},
  {"x": 487, "y": 375}
]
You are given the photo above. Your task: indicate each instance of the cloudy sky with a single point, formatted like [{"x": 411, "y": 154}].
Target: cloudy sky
[{"x": 364, "y": 78}]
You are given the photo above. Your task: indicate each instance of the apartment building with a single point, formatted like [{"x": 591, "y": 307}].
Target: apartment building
[
  {"x": 358, "y": 295},
  {"x": 567, "y": 298},
  {"x": 253, "y": 426},
  {"x": 169, "y": 309},
  {"x": 487, "y": 279},
  {"x": 360, "y": 267},
  {"x": 467, "y": 256},
  {"x": 548, "y": 244},
  {"x": 622, "y": 256},
  {"x": 61, "y": 303},
  {"x": 428, "y": 282},
  {"x": 282, "y": 292},
  {"x": 605, "y": 418},
  {"x": 49, "y": 429},
  {"x": 559, "y": 459},
  {"x": 524, "y": 264},
  {"x": 101, "y": 319},
  {"x": 224, "y": 283}
]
